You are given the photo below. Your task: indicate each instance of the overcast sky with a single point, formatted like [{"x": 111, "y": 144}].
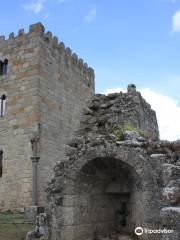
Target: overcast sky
[{"x": 125, "y": 41}]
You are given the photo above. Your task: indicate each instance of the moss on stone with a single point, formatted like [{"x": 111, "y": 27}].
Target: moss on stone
[{"x": 119, "y": 132}]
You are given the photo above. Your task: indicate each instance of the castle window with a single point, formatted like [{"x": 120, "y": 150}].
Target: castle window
[
  {"x": 3, "y": 67},
  {"x": 1, "y": 163},
  {"x": 2, "y": 105}
]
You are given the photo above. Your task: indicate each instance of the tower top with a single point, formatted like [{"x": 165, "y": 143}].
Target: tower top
[
  {"x": 131, "y": 88},
  {"x": 38, "y": 30}
]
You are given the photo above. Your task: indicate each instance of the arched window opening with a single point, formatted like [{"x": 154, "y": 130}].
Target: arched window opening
[
  {"x": 1, "y": 163},
  {"x": 3, "y": 67},
  {"x": 2, "y": 105}
]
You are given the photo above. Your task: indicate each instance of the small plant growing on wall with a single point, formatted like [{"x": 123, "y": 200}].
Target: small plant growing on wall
[{"x": 120, "y": 131}]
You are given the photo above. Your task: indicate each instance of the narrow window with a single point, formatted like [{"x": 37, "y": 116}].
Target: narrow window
[
  {"x": 1, "y": 68},
  {"x": 2, "y": 105},
  {"x": 5, "y": 66},
  {"x": 1, "y": 163}
]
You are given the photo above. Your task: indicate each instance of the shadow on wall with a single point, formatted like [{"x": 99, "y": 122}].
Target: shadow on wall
[{"x": 101, "y": 199}]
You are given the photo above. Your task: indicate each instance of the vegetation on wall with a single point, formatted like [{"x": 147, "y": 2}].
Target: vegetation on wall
[{"x": 120, "y": 132}]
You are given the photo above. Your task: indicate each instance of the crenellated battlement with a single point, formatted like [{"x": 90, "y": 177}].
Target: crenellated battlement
[
  {"x": 34, "y": 30},
  {"x": 57, "y": 47}
]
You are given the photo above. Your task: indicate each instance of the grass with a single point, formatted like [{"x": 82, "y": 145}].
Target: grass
[
  {"x": 119, "y": 132},
  {"x": 13, "y": 227}
]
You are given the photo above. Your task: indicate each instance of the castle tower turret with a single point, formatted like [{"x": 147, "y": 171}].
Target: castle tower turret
[{"x": 46, "y": 87}]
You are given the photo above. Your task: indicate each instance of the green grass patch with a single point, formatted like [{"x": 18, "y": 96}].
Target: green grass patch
[
  {"x": 11, "y": 218},
  {"x": 13, "y": 227}
]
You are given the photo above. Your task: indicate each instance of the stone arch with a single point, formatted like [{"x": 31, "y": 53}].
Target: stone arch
[
  {"x": 101, "y": 198},
  {"x": 125, "y": 154},
  {"x": 74, "y": 209}
]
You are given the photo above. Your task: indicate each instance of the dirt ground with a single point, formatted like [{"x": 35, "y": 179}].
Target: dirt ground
[{"x": 13, "y": 227}]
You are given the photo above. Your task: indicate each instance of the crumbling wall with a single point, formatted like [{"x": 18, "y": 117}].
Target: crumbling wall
[
  {"x": 109, "y": 138},
  {"x": 120, "y": 111},
  {"x": 170, "y": 212},
  {"x": 68, "y": 205}
]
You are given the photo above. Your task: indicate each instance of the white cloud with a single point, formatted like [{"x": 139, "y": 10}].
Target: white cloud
[
  {"x": 167, "y": 111},
  {"x": 91, "y": 15},
  {"x": 176, "y": 22},
  {"x": 36, "y": 6}
]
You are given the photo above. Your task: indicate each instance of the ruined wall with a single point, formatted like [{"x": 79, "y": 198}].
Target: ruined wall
[
  {"x": 87, "y": 190},
  {"x": 20, "y": 85},
  {"x": 120, "y": 111},
  {"x": 46, "y": 86},
  {"x": 105, "y": 166},
  {"x": 79, "y": 203}
]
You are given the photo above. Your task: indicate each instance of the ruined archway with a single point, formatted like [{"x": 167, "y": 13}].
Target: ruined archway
[
  {"x": 99, "y": 188},
  {"x": 101, "y": 199}
]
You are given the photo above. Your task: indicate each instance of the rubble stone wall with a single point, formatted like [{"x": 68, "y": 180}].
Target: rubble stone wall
[
  {"x": 120, "y": 111},
  {"x": 108, "y": 161}
]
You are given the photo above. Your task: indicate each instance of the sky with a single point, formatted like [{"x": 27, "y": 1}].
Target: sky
[{"x": 125, "y": 41}]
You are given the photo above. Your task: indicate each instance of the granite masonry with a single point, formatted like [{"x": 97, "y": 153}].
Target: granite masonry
[
  {"x": 116, "y": 176},
  {"x": 95, "y": 162},
  {"x": 46, "y": 86}
]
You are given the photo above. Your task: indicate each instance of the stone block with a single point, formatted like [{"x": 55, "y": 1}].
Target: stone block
[{"x": 30, "y": 213}]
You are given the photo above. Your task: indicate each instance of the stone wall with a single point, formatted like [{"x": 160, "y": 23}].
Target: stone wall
[
  {"x": 90, "y": 184},
  {"x": 98, "y": 175},
  {"x": 20, "y": 85},
  {"x": 118, "y": 112},
  {"x": 107, "y": 166},
  {"x": 46, "y": 87},
  {"x": 170, "y": 212},
  {"x": 66, "y": 84}
]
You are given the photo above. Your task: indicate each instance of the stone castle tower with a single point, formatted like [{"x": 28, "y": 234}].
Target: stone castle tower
[{"x": 43, "y": 89}]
